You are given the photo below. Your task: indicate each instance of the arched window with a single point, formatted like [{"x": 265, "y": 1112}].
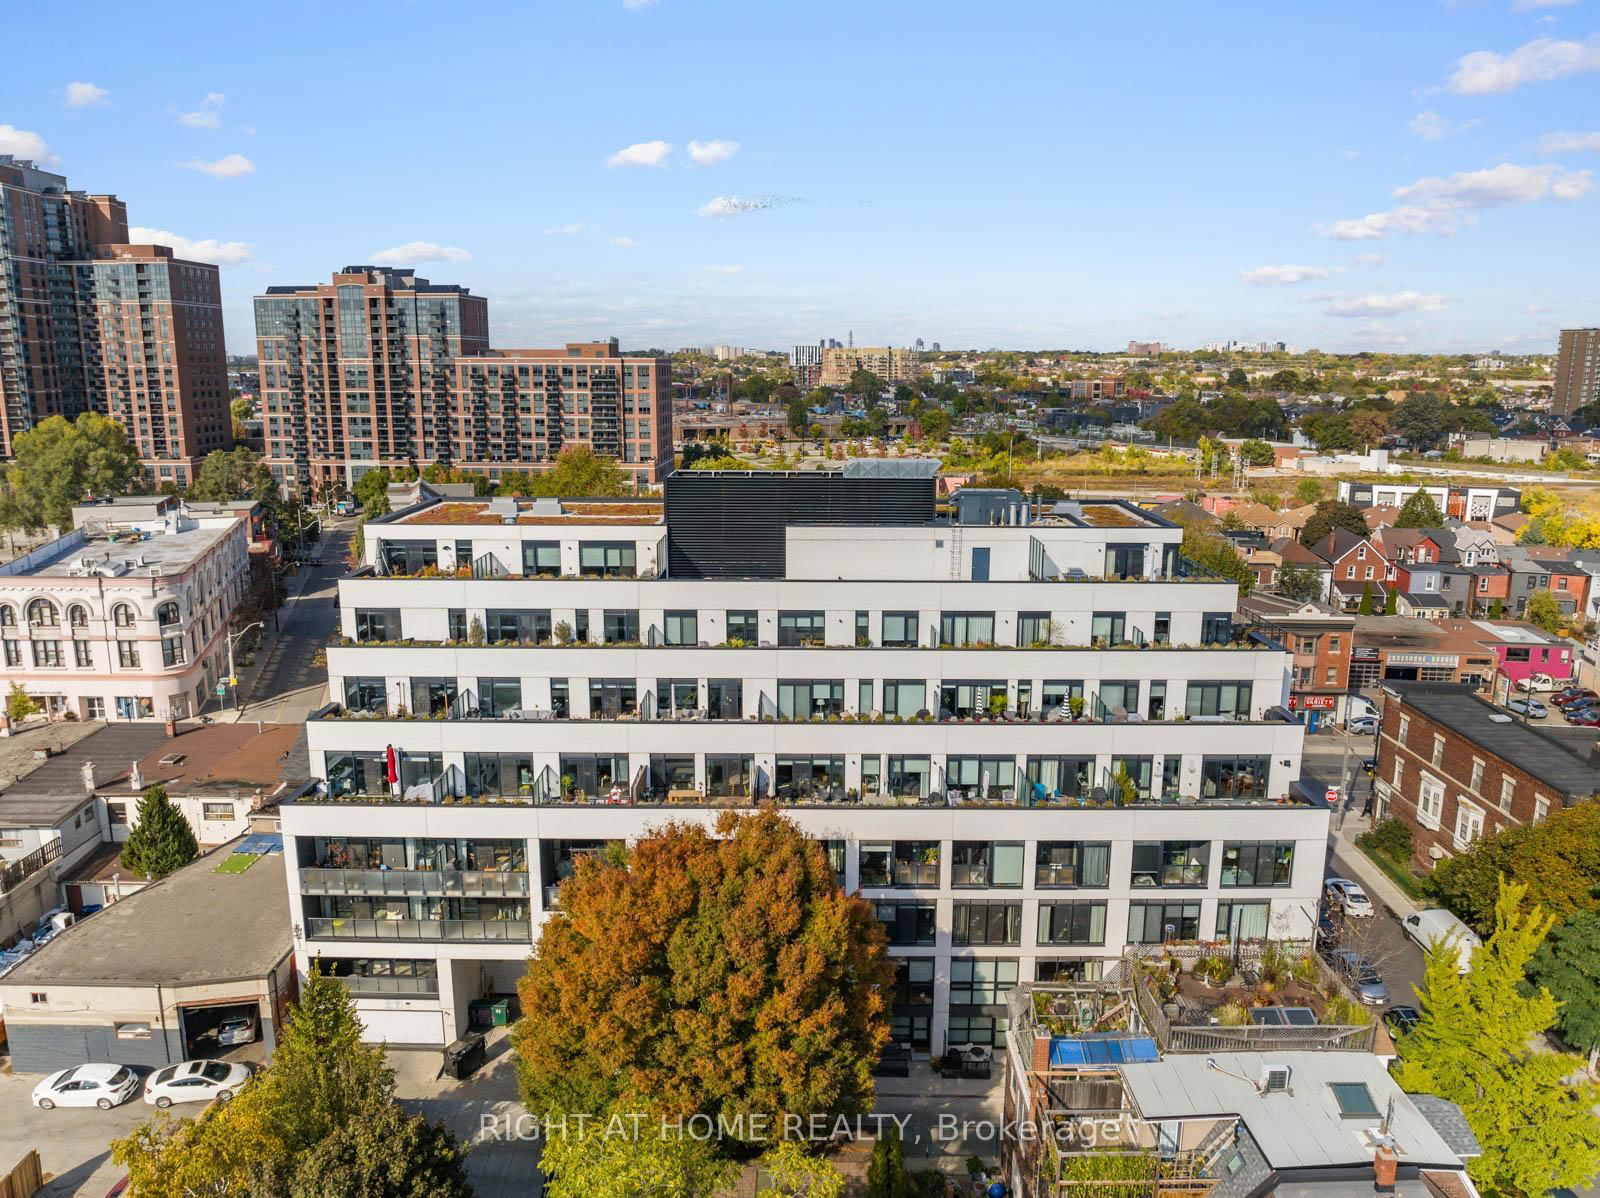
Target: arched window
[
  {"x": 78, "y": 616},
  {"x": 122, "y": 616},
  {"x": 8, "y": 616},
  {"x": 167, "y": 614},
  {"x": 42, "y": 614}
]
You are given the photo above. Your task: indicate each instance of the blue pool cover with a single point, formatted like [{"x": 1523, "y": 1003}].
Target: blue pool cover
[{"x": 1108, "y": 1049}]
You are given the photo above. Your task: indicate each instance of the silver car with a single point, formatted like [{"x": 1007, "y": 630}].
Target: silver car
[{"x": 1362, "y": 976}]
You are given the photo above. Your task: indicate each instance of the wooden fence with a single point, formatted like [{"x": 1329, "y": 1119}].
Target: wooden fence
[{"x": 25, "y": 1180}]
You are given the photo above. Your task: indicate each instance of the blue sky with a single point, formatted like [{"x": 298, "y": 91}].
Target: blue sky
[{"x": 1410, "y": 175}]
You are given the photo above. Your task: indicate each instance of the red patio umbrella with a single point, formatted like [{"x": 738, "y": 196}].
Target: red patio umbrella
[{"x": 391, "y": 766}]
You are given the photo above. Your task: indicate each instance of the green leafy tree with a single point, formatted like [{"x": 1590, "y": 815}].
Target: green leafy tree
[
  {"x": 1332, "y": 514},
  {"x": 1391, "y": 600},
  {"x": 1255, "y": 452},
  {"x": 935, "y": 422},
  {"x": 1308, "y": 490},
  {"x": 1368, "y": 427},
  {"x": 1237, "y": 378},
  {"x": 722, "y": 976},
  {"x": 228, "y": 474},
  {"x": 1218, "y": 556},
  {"x": 579, "y": 472},
  {"x": 798, "y": 417},
  {"x": 1420, "y": 511},
  {"x": 1545, "y": 611},
  {"x": 653, "y": 1163},
  {"x": 865, "y": 386},
  {"x": 382, "y": 1152},
  {"x": 1422, "y": 419},
  {"x": 886, "y": 1171},
  {"x": 1476, "y": 1046},
  {"x": 371, "y": 492},
  {"x": 1557, "y": 858},
  {"x": 1365, "y": 606},
  {"x": 162, "y": 841},
  {"x": 240, "y": 410},
  {"x": 796, "y": 1173},
  {"x": 1299, "y": 583},
  {"x": 20, "y": 704},
  {"x": 1568, "y": 965},
  {"x": 57, "y": 464}
]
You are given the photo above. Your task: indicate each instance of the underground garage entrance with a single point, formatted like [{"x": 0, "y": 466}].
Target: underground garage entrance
[{"x": 216, "y": 1029}]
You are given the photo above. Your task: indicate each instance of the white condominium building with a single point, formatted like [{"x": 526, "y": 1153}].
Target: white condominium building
[
  {"x": 1027, "y": 734},
  {"x": 125, "y": 617}
]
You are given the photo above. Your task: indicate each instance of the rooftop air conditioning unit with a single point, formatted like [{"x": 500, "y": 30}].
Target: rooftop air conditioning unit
[{"x": 1275, "y": 1079}]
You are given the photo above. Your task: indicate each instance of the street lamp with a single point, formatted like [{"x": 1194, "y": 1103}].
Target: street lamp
[{"x": 233, "y": 674}]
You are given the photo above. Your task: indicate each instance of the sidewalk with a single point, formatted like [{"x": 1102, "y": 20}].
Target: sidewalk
[{"x": 1347, "y": 825}]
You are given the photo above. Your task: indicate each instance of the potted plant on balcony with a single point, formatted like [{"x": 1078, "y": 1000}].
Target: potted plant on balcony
[
  {"x": 1075, "y": 706},
  {"x": 475, "y": 632},
  {"x": 563, "y": 632},
  {"x": 569, "y": 787}
]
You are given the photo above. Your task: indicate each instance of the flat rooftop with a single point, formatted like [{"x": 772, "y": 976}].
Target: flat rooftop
[
  {"x": 119, "y": 555},
  {"x": 192, "y": 927},
  {"x": 225, "y": 757},
  {"x": 1563, "y": 758},
  {"x": 55, "y": 789},
  {"x": 529, "y": 511}
]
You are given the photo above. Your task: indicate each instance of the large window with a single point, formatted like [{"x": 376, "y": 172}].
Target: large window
[
  {"x": 128, "y": 654},
  {"x": 904, "y": 698},
  {"x": 980, "y": 982},
  {"x": 1109, "y": 627},
  {"x": 1072, "y": 923},
  {"x": 915, "y": 863},
  {"x": 1257, "y": 863},
  {"x": 1216, "y": 628},
  {"x": 356, "y": 773},
  {"x": 433, "y": 696},
  {"x": 620, "y": 627},
  {"x": 744, "y": 626},
  {"x": 899, "y": 629},
  {"x": 1033, "y": 629},
  {"x": 1138, "y": 770},
  {"x": 1157, "y": 923},
  {"x": 1243, "y": 921},
  {"x": 499, "y": 773},
  {"x": 1059, "y": 777},
  {"x": 410, "y": 557},
  {"x": 606, "y": 559},
  {"x": 729, "y": 776},
  {"x": 682, "y": 628},
  {"x": 985, "y": 863},
  {"x": 496, "y": 696},
  {"x": 1115, "y": 699},
  {"x": 48, "y": 653},
  {"x": 1234, "y": 777},
  {"x": 964, "y": 700},
  {"x": 906, "y": 923},
  {"x": 541, "y": 557},
  {"x": 809, "y": 778},
  {"x": 910, "y": 777},
  {"x": 987, "y": 923},
  {"x": 1125, "y": 561},
  {"x": 365, "y": 694},
  {"x": 966, "y": 628},
  {"x": 981, "y": 778},
  {"x": 594, "y": 773},
  {"x": 725, "y": 698},
  {"x": 1170, "y": 862},
  {"x": 610, "y": 698},
  {"x": 1231, "y": 699},
  {"x": 805, "y": 698},
  {"x": 1072, "y": 863},
  {"x": 523, "y": 626},
  {"x": 913, "y": 1002},
  {"x": 797, "y": 628},
  {"x": 377, "y": 623}
]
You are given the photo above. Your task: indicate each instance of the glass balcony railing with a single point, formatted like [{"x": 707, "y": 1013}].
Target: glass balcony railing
[
  {"x": 453, "y": 883},
  {"x": 916, "y": 873},
  {"x": 391, "y": 987},
  {"x": 463, "y": 930}
]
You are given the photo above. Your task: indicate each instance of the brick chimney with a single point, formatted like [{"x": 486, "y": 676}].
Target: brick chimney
[{"x": 1385, "y": 1163}]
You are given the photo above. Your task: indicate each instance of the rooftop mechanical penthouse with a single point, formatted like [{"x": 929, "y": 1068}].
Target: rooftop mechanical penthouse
[{"x": 1029, "y": 733}]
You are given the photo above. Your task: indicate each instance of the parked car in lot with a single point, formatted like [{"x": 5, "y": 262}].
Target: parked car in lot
[
  {"x": 1348, "y": 897},
  {"x": 1584, "y": 717},
  {"x": 1571, "y": 695},
  {"x": 1537, "y": 682},
  {"x": 239, "y": 1029},
  {"x": 195, "y": 1081},
  {"x": 1363, "y": 725},
  {"x": 1362, "y": 975},
  {"x": 1531, "y": 708},
  {"x": 1400, "y": 1020},
  {"x": 95, "y": 1084}
]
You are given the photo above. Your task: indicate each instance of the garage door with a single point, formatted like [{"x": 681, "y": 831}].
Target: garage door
[{"x": 403, "y": 1027}]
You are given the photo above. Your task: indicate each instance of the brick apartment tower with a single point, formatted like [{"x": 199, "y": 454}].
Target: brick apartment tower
[
  {"x": 89, "y": 322},
  {"x": 381, "y": 368},
  {"x": 1577, "y": 371}
]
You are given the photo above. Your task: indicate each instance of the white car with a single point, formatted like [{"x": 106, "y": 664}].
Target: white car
[
  {"x": 195, "y": 1081},
  {"x": 1363, "y": 725},
  {"x": 1348, "y": 896},
  {"x": 104, "y": 1086}
]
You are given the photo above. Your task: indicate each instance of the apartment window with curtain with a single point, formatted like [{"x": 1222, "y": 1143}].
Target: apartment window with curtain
[
  {"x": 744, "y": 626},
  {"x": 1072, "y": 923},
  {"x": 682, "y": 628},
  {"x": 1109, "y": 627},
  {"x": 1170, "y": 863},
  {"x": 966, "y": 628},
  {"x": 899, "y": 629},
  {"x": 1033, "y": 628},
  {"x": 986, "y": 923},
  {"x": 1243, "y": 921},
  {"x": 541, "y": 557},
  {"x": 803, "y": 699},
  {"x": 1157, "y": 923},
  {"x": 796, "y": 628},
  {"x": 1257, "y": 863},
  {"x": 1225, "y": 698},
  {"x": 1071, "y": 863},
  {"x": 606, "y": 559},
  {"x": 986, "y": 863}
]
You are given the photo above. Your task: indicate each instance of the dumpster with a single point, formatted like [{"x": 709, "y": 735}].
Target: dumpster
[
  {"x": 463, "y": 1058},
  {"x": 484, "y": 1013}
]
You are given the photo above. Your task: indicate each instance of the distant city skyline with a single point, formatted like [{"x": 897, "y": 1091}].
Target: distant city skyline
[{"x": 1422, "y": 191}]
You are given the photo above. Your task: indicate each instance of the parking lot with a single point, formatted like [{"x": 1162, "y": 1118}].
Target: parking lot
[{"x": 74, "y": 1145}]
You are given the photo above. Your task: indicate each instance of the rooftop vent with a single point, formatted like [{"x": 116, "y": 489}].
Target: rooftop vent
[
  {"x": 1275, "y": 1079},
  {"x": 173, "y": 759},
  {"x": 1500, "y": 718},
  {"x": 546, "y": 507}
]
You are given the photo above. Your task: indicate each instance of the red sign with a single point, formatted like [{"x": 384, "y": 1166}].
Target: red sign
[{"x": 1312, "y": 702}]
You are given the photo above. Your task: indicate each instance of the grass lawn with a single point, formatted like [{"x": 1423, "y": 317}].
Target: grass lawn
[{"x": 237, "y": 863}]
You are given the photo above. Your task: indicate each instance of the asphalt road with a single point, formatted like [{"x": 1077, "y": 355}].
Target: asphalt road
[{"x": 290, "y": 685}]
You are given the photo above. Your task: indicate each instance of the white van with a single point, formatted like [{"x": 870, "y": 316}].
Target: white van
[
  {"x": 1437, "y": 926},
  {"x": 1356, "y": 706}
]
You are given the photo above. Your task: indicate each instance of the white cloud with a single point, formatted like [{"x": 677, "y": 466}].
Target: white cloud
[
  {"x": 226, "y": 253},
  {"x": 1483, "y": 72},
  {"x": 642, "y": 153},
  {"x": 719, "y": 206},
  {"x": 709, "y": 153},
  {"x": 624, "y": 243},
  {"x": 724, "y": 269},
  {"x": 1529, "y": 5},
  {"x": 86, "y": 95},
  {"x": 570, "y": 230},
  {"x": 1499, "y": 186},
  {"x": 1538, "y": 309},
  {"x": 1279, "y": 276},
  {"x": 208, "y": 115},
  {"x": 1385, "y": 305},
  {"x": 419, "y": 251},
  {"x": 1562, "y": 143},
  {"x": 1440, "y": 204},
  {"x": 1429, "y": 126},
  {"x": 1372, "y": 260},
  {"x": 636, "y": 5},
  {"x": 230, "y": 166},
  {"x": 23, "y": 143}
]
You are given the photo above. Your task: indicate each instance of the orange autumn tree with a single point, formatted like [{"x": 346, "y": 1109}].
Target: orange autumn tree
[{"x": 725, "y": 976}]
